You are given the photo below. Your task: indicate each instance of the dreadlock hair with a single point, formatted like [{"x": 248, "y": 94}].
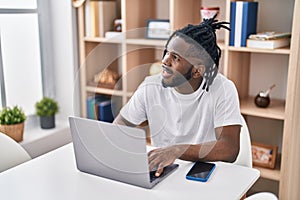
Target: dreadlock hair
[{"x": 205, "y": 35}]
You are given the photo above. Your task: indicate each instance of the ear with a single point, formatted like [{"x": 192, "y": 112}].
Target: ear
[{"x": 199, "y": 71}]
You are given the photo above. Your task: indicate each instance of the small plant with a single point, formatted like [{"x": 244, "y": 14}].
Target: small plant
[
  {"x": 9, "y": 116},
  {"x": 46, "y": 107}
]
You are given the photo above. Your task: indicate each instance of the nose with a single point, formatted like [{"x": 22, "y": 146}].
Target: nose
[{"x": 166, "y": 59}]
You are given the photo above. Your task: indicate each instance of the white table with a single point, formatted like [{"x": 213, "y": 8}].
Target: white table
[{"x": 55, "y": 176}]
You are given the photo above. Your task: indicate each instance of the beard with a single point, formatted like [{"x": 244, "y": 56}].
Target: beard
[{"x": 178, "y": 79}]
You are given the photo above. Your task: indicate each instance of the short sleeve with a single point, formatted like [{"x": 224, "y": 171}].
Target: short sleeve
[
  {"x": 227, "y": 107},
  {"x": 135, "y": 110}
]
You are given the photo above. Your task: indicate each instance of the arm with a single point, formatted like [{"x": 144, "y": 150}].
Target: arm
[
  {"x": 122, "y": 121},
  {"x": 226, "y": 148}
]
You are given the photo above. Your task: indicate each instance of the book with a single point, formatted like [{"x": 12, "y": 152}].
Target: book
[
  {"x": 232, "y": 23},
  {"x": 91, "y": 18},
  {"x": 87, "y": 23},
  {"x": 243, "y": 21},
  {"x": 238, "y": 23},
  {"x": 91, "y": 105},
  {"x": 270, "y": 35},
  {"x": 268, "y": 44},
  {"x": 105, "y": 111}
]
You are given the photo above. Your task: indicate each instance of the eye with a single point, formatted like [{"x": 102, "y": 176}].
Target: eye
[
  {"x": 176, "y": 58},
  {"x": 173, "y": 56}
]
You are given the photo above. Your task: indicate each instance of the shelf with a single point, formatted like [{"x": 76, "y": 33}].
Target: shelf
[
  {"x": 159, "y": 43},
  {"x": 274, "y": 111},
  {"x": 129, "y": 94},
  {"x": 285, "y": 50},
  {"x": 146, "y": 42},
  {"x": 137, "y": 41},
  {"x": 272, "y": 174},
  {"x": 103, "y": 40},
  {"x": 221, "y": 44},
  {"x": 136, "y": 50},
  {"x": 105, "y": 91}
]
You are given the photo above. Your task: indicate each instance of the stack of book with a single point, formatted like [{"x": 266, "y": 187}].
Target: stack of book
[
  {"x": 268, "y": 40},
  {"x": 243, "y": 20},
  {"x": 100, "y": 107}
]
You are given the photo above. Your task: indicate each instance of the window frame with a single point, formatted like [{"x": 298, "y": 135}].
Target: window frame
[{"x": 47, "y": 82}]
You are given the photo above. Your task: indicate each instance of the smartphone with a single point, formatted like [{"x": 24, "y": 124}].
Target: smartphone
[{"x": 200, "y": 171}]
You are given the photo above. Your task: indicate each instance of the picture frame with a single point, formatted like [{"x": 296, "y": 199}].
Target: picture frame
[
  {"x": 264, "y": 155},
  {"x": 158, "y": 29}
]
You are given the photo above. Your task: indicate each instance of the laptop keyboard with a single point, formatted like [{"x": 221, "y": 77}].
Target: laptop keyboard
[
  {"x": 153, "y": 177},
  {"x": 166, "y": 171}
]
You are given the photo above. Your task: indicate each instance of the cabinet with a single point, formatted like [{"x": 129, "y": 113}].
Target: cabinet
[
  {"x": 238, "y": 64},
  {"x": 131, "y": 55}
]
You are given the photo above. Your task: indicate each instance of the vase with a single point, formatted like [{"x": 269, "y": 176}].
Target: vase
[
  {"x": 262, "y": 101},
  {"x": 47, "y": 122},
  {"x": 15, "y": 131}
]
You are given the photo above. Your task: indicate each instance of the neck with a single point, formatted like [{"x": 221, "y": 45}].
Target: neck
[{"x": 190, "y": 86}]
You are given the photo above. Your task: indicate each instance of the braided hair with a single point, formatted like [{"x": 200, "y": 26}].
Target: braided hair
[{"x": 205, "y": 35}]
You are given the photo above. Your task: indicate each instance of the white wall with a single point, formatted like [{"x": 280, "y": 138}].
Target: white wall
[{"x": 64, "y": 56}]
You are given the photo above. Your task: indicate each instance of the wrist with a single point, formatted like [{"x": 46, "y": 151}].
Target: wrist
[{"x": 180, "y": 149}]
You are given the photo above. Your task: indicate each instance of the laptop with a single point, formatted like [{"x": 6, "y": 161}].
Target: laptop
[{"x": 113, "y": 151}]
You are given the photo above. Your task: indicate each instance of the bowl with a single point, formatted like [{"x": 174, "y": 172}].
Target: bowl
[{"x": 209, "y": 12}]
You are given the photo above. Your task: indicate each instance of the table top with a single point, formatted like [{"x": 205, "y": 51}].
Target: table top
[{"x": 55, "y": 176}]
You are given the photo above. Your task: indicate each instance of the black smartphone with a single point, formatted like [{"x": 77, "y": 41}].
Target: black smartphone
[{"x": 200, "y": 171}]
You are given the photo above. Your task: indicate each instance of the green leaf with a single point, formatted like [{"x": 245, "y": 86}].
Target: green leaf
[
  {"x": 13, "y": 115},
  {"x": 46, "y": 107}
]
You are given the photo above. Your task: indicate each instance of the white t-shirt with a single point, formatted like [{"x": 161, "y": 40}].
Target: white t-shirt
[{"x": 176, "y": 118}]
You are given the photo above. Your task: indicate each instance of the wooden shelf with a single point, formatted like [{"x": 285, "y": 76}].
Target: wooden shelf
[
  {"x": 136, "y": 41},
  {"x": 159, "y": 43},
  {"x": 285, "y": 50},
  {"x": 104, "y": 91},
  {"x": 103, "y": 40},
  {"x": 272, "y": 174},
  {"x": 129, "y": 94},
  {"x": 274, "y": 111},
  {"x": 237, "y": 63},
  {"x": 146, "y": 42},
  {"x": 221, "y": 45}
]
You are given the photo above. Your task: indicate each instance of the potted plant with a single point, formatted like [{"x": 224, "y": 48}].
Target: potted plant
[
  {"x": 12, "y": 122},
  {"x": 46, "y": 109}
]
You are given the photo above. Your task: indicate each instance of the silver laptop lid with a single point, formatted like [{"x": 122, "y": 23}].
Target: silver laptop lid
[{"x": 112, "y": 151}]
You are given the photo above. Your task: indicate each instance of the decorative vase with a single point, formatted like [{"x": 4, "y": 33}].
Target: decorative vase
[
  {"x": 15, "y": 131},
  {"x": 262, "y": 101},
  {"x": 47, "y": 122}
]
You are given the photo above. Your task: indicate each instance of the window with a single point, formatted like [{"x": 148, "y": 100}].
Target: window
[
  {"x": 18, "y": 4},
  {"x": 20, "y": 59}
]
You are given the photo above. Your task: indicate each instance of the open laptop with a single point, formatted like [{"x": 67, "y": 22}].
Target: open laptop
[{"x": 113, "y": 151}]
